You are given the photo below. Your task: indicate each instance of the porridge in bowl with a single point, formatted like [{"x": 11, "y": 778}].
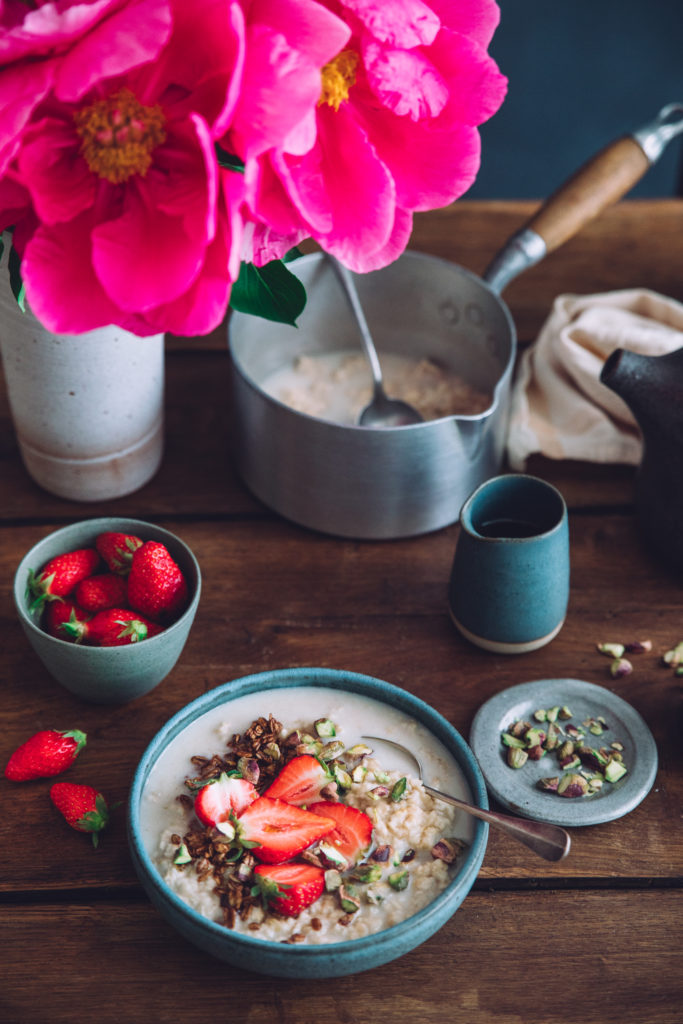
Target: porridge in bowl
[{"x": 297, "y": 829}]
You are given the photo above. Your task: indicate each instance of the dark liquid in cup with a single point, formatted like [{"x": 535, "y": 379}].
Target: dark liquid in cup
[{"x": 508, "y": 528}]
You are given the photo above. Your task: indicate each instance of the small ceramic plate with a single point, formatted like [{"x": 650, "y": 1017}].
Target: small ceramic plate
[{"x": 517, "y": 788}]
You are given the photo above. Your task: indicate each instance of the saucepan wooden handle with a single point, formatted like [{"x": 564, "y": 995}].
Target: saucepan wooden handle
[{"x": 604, "y": 179}]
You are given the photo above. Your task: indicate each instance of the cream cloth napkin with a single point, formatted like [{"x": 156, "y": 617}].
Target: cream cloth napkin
[{"x": 559, "y": 407}]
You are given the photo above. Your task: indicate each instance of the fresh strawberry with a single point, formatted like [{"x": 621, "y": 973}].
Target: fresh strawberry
[
  {"x": 59, "y": 613},
  {"x": 279, "y": 831},
  {"x": 107, "y": 590},
  {"x": 156, "y": 585},
  {"x": 48, "y": 752},
  {"x": 300, "y": 781},
  {"x": 117, "y": 550},
  {"x": 352, "y": 833},
  {"x": 115, "y": 627},
  {"x": 60, "y": 575},
  {"x": 84, "y": 807},
  {"x": 289, "y": 888},
  {"x": 222, "y": 797}
]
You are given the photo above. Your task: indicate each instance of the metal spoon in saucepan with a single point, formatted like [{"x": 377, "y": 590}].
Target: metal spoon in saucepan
[
  {"x": 548, "y": 841},
  {"x": 382, "y": 411}
]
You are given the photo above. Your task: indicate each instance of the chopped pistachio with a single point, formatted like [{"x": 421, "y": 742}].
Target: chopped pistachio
[
  {"x": 249, "y": 769},
  {"x": 330, "y": 856},
  {"x": 536, "y": 753},
  {"x": 617, "y": 745},
  {"x": 359, "y": 750},
  {"x": 226, "y": 828},
  {"x": 332, "y": 750},
  {"x": 552, "y": 739},
  {"x": 182, "y": 855},
  {"x": 572, "y": 785},
  {"x": 373, "y": 894},
  {"x": 620, "y": 667},
  {"x": 349, "y": 899},
  {"x": 638, "y": 647},
  {"x": 566, "y": 749},
  {"x": 564, "y": 713},
  {"x": 332, "y": 880},
  {"x": 382, "y": 854},
  {"x": 330, "y": 792},
  {"x": 595, "y": 783},
  {"x": 378, "y": 792},
  {"x": 325, "y": 728},
  {"x": 272, "y": 751},
  {"x": 611, "y": 650},
  {"x": 359, "y": 772},
  {"x": 367, "y": 873},
  {"x": 341, "y": 777},
  {"x": 380, "y": 776},
  {"x": 549, "y": 784},
  {"x": 516, "y": 758},
  {"x": 570, "y": 762},
  {"x": 519, "y": 727},
  {"x": 534, "y": 737},
  {"x": 541, "y": 715},
  {"x": 399, "y": 880},
  {"x": 674, "y": 657},
  {"x": 398, "y": 790},
  {"x": 447, "y": 850},
  {"x": 552, "y": 714},
  {"x": 407, "y": 856},
  {"x": 614, "y": 771},
  {"x": 512, "y": 741}
]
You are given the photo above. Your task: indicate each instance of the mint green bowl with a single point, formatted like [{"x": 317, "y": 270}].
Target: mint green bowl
[
  {"x": 326, "y": 960},
  {"x": 107, "y": 675}
]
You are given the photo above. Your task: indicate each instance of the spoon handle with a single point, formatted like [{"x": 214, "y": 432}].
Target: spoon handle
[
  {"x": 346, "y": 279},
  {"x": 548, "y": 841}
]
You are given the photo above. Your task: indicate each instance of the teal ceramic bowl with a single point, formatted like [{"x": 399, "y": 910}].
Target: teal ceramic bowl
[
  {"x": 333, "y": 959},
  {"x": 107, "y": 675}
]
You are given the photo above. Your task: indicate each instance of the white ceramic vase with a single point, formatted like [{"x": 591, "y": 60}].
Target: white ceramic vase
[{"x": 87, "y": 408}]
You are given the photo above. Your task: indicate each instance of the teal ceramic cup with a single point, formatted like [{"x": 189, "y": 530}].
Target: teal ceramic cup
[{"x": 509, "y": 585}]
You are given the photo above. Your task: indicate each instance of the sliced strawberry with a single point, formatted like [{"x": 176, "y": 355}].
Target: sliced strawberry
[
  {"x": 352, "y": 833},
  {"x": 222, "y": 797},
  {"x": 278, "y": 830},
  {"x": 300, "y": 781},
  {"x": 289, "y": 888}
]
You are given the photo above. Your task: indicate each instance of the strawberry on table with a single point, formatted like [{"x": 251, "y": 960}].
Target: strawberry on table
[
  {"x": 278, "y": 831},
  {"x": 48, "y": 752},
  {"x": 61, "y": 574},
  {"x": 352, "y": 833},
  {"x": 289, "y": 888},
  {"x": 300, "y": 781},
  {"x": 117, "y": 550},
  {"x": 84, "y": 807},
  {"x": 105, "y": 590},
  {"x": 59, "y": 613},
  {"x": 156, "y": 585},
  {"x": 223, "y": 797},
  {"x": 115, "y": 627}
]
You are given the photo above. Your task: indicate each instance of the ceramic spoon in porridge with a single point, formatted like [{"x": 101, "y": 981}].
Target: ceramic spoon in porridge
[
  {"x": 382, "y": 411},
  {"x": 548, "y": 841}
]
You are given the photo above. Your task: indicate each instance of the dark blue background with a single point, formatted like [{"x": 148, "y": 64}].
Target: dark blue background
[{"x": 581, "y": 72}]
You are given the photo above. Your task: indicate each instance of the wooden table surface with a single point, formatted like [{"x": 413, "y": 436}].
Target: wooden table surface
[{"x": 596, "y": 938}]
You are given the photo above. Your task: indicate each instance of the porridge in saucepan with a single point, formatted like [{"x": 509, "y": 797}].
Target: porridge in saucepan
[
  {"x": 336, "y": 386},
  {"x": 383, "y": 847}
]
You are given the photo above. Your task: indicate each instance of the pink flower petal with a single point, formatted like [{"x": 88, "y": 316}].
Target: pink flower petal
[
  {"x": 43, "y": 30},
  {"x": 21, "y": 89},
  {"x": 398, "y": 240},
  {"x": 477, "y": 19},
  {"x": 401, "y": 23},
  {"x": 58, "y": 178},
  {"x": 405, "y": 81},
  {"x": 476, "y": 86},
  {"x": 15, "y": 201},
  {"x": 132, "y": 35},
  {"x": 287, "y": 44}
]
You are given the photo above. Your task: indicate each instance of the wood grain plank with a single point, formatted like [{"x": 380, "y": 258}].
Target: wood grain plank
[
  {"x": 504, "y": 957},
  {"x": 277, "y": 596}
]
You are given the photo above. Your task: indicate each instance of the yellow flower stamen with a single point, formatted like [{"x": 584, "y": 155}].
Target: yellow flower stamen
[
  {"x": 338, "y": 76},
  {"x": 119, "y": 135}
]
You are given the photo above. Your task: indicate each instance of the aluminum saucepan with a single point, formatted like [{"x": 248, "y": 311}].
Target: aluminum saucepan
[{"x": 352, "y": 481}]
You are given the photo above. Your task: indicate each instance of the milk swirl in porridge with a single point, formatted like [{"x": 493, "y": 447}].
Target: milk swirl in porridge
[{"x": 380, "y": 847}]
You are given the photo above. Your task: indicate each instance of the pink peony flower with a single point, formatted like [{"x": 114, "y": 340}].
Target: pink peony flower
[{"x": 394, "y": 131}]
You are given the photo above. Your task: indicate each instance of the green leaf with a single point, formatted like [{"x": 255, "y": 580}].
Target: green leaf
[
  {"x": 228, "y": 160},
  {"x": 16, "y": 283},
  {"x": 292, "y": 254},
  {"x": 271, "y": 291}
]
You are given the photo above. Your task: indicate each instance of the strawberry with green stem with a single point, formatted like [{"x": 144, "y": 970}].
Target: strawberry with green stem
[
  {"x": 60, "y": 613},
  {"x": 115, "y": 627},
  {"x": 117, "y": 550},
  {"x": 83, "y": 807},
  {"x": 60, "y": 575},
  {"x": 46, "y": 753}
]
